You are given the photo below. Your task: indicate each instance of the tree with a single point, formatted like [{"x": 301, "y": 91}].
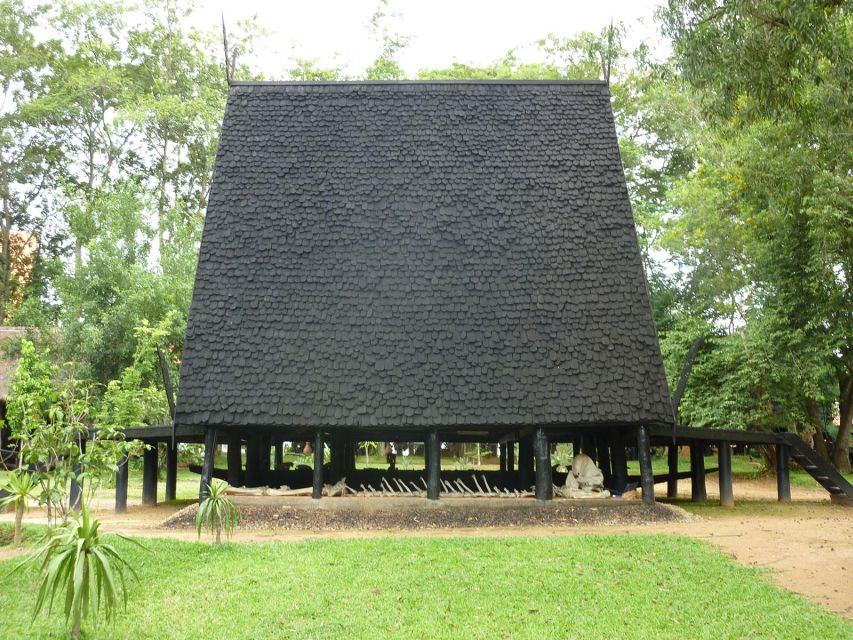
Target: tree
[
  {"x": 217, "y": 513},
  {"x": 20, "y": 489},
  {"x": 28, "y": 153},
  {"x": 50, "y": 416},
  {"x": 391, "y": 42},
  {"x": 87, "y": 573},
  {"x": 774, "y": 83},
  {"x": 178, "y": 111},
  {"x": 87, "y": 100}
]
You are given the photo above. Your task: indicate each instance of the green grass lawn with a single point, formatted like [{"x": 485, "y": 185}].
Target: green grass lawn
[{"x": 646, "y": 586}]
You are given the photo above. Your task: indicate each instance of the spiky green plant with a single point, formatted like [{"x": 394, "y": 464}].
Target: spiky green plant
[
  {"x": 216, "y": 512},
  {"x": 79, "y": 568},
  {"x": 21, "y": 487}
]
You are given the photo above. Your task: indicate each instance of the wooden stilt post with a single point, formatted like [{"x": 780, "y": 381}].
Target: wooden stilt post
[
  {"x": 672, "y": 469},
  {"x": 619, "y": 461},
  {"x": 510, "y": 455},
  {"x": 697, "y": 472},
  {"x": 266, "y": 458},
  {"x": 724, "y": 456},
  {"x": 603, "y": 449},
  {"x": 121, "y": 486},
  {"x": 588, "y": 446},
  {"x": 171, "y": 470},
  {"x": 339, "y": 466},
  {"x": 235, "y": 461},
  {"x": 502, "y": 455},
  {"x": 278, "y": 453},
  {"x": 254, "y": 470},
  {"x": 544, "y": 474},
  {"x": 207, "y": 464},
  {"x": 149, "y": 475},
  {"x": 647, "y": 477},
  {"x": 349, "y": 460},
  {"x": 433, "y": 464},
  {"x": 783, "y": 476},
  {"x": 525, "y": 462},
  {"x": 317, "y": 486}
]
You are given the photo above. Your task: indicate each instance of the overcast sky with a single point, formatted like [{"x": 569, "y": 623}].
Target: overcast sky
[{"x": 443, "y": 31}]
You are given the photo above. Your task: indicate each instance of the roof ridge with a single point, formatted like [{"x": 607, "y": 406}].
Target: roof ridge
[{"x": 351, "y": 83}]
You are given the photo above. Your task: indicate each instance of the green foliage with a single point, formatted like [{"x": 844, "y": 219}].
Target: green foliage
[
  {"x": 138, "y": 398},
  {"x": 81, "y": 570},
  {"x": 49, "y": 417},
  {"x": 31, "y": 394},
  {"x": 562, "y": 456},
  {"x": 216, "y": 512},
  {"x": 765, "y": 223},
  {"x": 21, "y": 488},
  {"x": 391, "y": 42}
]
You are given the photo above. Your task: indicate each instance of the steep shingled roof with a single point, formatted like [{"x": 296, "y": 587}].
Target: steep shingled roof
[{"x": 420, "y": 254}]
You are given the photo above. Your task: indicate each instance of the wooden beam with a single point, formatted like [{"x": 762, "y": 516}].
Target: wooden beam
[
  {"x": 121, "y": 486},
  {"x": 317, "y": 484},
  {"x": 698, "y": 493},
  {"x": 672, "y": 464},
  {"x": 724, "y": 456},
  {"x": 783, "y": 476},
  {"x": 544, "y": 474},
  {"x": 171, "y": 470},
  {"x": 207, "y": 465},
  {"x": 644, "y": 453},
  {"x": 149, "y": 475},
  {"x": 433, "y": 464},
  {"x": 684, "y": 435}
]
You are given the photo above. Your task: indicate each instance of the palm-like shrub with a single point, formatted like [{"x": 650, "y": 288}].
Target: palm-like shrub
[
  {"x": 216, "y": 513},
  {"x": 81, "y": 570},
  {"x": 21, "y": 488}
]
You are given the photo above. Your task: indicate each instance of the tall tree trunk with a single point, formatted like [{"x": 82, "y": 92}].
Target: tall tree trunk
[
  {"x": 819, "y": 440},
  {"x": 161, "y": 205},
  {"x": 19, "y": 517},
  {"x": 7, "y": 254},
  {"x": 840, "y": 453}
]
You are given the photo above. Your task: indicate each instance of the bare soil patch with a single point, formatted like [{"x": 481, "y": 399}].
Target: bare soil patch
[{"x": 370, "y": 514}]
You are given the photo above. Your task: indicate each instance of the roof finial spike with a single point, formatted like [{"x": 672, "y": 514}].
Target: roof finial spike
[{"x": 229, "y": 67}]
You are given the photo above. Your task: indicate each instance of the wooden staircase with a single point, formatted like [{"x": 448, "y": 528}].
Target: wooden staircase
[{"x": 822, "y": 471}]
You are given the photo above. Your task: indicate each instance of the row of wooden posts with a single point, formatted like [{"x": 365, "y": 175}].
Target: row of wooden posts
[{"x": 533, "y": 465}]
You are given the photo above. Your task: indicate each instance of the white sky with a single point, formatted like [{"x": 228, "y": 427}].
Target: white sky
[{"x": 335, "y": 32}]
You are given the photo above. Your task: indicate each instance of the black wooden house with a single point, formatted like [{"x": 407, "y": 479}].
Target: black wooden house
[{"x": 425, "y": 262}]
